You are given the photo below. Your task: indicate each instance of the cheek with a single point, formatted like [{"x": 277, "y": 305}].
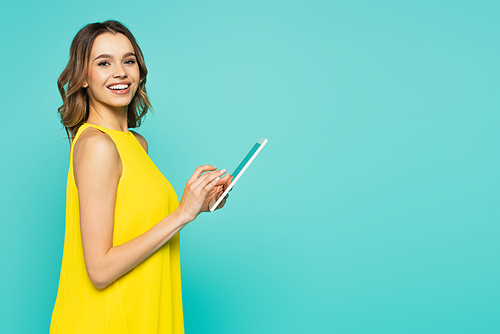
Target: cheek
[
  {"x": 94, "y": 79},
  {"x": 137, "y": 74}
]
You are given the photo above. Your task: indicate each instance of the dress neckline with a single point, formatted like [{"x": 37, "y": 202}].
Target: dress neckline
[{"x": 108, "y": 129}]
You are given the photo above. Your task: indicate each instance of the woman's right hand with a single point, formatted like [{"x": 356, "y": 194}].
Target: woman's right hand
[{"x": 196, "y": 190}]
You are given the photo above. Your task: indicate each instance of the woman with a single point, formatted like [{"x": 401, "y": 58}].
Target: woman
[{"x": 120, "y": 271}]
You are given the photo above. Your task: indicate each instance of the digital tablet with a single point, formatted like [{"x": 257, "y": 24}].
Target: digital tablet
[{"x": 242, "y": 167}]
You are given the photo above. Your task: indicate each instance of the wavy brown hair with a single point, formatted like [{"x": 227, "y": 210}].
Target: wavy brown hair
[{"x": 75, "y": 109}]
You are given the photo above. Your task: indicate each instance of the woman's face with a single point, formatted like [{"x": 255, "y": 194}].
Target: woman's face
[{"x": 113, "y": 73}]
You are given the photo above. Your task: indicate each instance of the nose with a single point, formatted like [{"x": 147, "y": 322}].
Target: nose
[{"x": 119, "y": 71}]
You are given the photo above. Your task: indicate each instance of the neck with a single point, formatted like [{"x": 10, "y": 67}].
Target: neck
[{"x": 114, "y": 118}]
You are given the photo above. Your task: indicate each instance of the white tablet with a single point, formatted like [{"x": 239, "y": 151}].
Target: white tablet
[{"x": 238, "y": 172}]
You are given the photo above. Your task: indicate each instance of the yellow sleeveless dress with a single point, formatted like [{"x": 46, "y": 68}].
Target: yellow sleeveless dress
[{"x": 148, "y": 298}]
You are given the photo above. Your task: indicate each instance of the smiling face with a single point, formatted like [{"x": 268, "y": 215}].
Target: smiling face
[{"x": 113, "y": 73}]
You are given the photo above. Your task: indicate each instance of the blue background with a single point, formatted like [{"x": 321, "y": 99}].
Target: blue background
[{"x": 374, "y": 208}]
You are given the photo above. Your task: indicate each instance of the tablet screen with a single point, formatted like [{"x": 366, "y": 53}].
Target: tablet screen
[
  {"x": 244, "y": 162},
  {"x": 238, "y": 172}
]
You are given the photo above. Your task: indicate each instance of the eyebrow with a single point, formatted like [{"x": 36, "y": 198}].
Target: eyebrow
[{"x": 105, "y": 55}]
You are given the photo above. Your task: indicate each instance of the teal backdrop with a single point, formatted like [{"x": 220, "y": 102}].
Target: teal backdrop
[{"x": 374, "y": 208}]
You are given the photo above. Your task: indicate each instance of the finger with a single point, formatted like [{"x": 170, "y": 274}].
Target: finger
[
  {"x": 200, "y": 170},
  {"x": 227, "y": 183},
  {"x": 213, "y": 192},
  {"x": 204, "y": 189},
  {"x": 211, "y": 203},
  {"x": 221, "y": 204},
  {"x": 224, "y": 179},
  {"x": 209, "y": 180}
]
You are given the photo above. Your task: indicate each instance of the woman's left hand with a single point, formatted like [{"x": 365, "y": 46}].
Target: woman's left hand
[{"x": 214, "y": 194}]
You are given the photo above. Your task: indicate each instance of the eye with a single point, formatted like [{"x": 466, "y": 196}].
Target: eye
[
  {"x": 130, "y": 61},
  {"x": 103, "y": 63}
]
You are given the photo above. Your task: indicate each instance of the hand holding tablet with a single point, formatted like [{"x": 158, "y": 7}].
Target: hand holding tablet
[{"x": 242, "y": 167}]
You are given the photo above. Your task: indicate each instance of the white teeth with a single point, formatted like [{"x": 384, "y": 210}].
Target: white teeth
[{"x": 118, "y": 87}]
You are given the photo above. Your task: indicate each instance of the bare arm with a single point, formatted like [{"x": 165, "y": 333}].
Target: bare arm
[{"x": 97, "y": 168}]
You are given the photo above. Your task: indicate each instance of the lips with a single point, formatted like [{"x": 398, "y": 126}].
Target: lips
[{"x": 119, "y": 88}]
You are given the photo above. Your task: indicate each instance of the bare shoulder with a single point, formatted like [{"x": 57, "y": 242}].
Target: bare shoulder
[
  {"x": 93, "y": 141},
  {"x": 141, "y": 140},
  {"x": 95, "y": 153}
]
